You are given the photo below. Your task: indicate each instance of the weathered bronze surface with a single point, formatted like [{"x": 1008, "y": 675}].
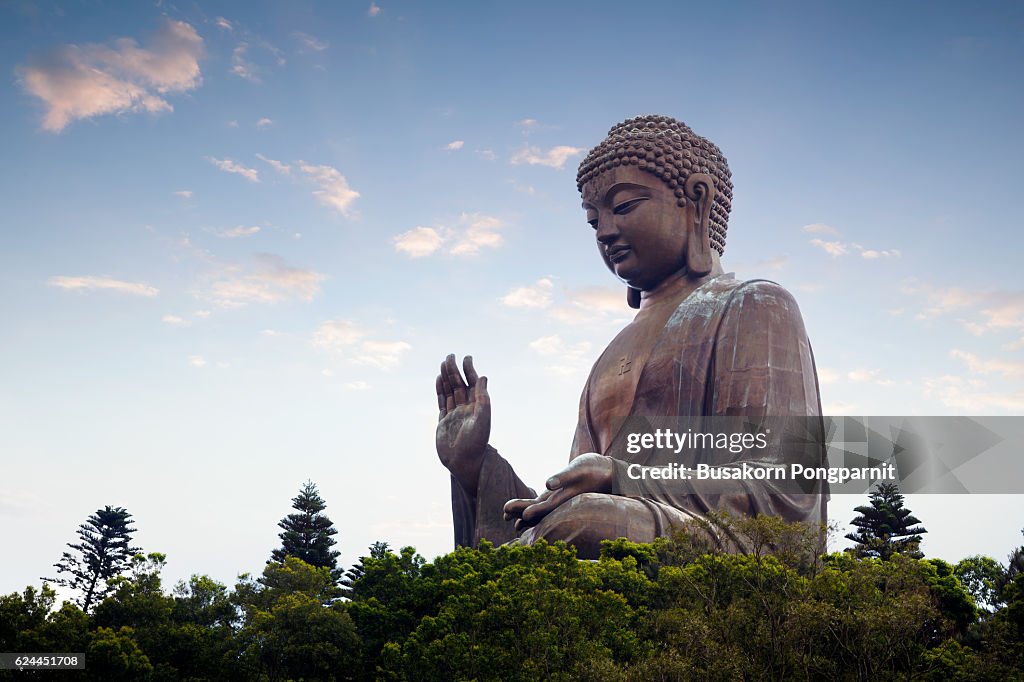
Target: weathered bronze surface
[{"x": 702, "y": 344}]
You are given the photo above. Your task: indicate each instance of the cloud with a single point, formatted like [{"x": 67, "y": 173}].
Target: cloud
[
  {"x": 833, "y": 249},
  {"x": 471, "y": 233},
  {"x": 972, "y": 395},
  {"x": 197, "y": 360},
  {"x": 868, "y": 376},
  {"x": 241, "y": 66},
  {"x": 553, "y": 158},
  {"x": 239, "y": 231},
  {"x": 476, "y": 231},
  {"x": 223, "y": 24},
  {"x": 357, "y": 386},
  {"x": 103, "y": 283},
  {"x": 280, "y": 167},
  {"x": 486, "y": 154},
  {"x": 871, "y": 253},
  {"x": 536, "y": 296},
  {"x": 348, "y": 340},
  {"x": 229, "y": 166},
  {"x": 827, "y": 375},
  {"x": 571, "y": 358},
  {"x": 418, "y": 242},
  {"x": 455, "y": 145},
  {"x": 77, "y": 82},
  {"x": 589, "y": 304},
  {"x": 820, "y": 228},
  {"x": 374, "y": 10},
  {"x": 997, "y": 310},
  {"x": 1006, "y": 368},
  {"x": 837, "y": 248},
  {"x": 175, "y": 320},
  {"x": 184, "y": 193},
  {"x": 309, "y": 42},
  {"x": 334, "y": 190},
  {"x": 269, "y": 280},
  {"x": 527, "y": 123},
  {"x": 264, "y": 122}
]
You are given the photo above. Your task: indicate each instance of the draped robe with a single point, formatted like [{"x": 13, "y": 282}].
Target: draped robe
[{"x": 729, "y": 348}]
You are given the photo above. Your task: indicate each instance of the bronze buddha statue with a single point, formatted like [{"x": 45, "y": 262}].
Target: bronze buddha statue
[{"x": 702, "y": 344}]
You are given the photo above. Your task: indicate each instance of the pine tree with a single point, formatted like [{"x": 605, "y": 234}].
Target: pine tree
[
  {"x": 104, "y": 552},
  {"x": 308, "y": 534},
  {"x": 886, "y": 527}
]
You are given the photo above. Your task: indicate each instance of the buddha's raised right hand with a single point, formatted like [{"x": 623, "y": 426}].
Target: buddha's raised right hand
[{"x": 464, "y": 422}]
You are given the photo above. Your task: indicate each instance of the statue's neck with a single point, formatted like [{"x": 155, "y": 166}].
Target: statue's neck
[{"x": 677, "y": 286}]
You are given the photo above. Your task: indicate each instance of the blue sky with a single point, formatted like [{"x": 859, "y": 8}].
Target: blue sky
[{"x": 240, "y": 237}]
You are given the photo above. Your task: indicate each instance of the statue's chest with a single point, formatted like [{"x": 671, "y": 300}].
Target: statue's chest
[{"x": 617, "y": 374}]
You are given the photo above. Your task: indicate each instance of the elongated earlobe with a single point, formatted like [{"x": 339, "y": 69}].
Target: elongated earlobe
[
  {"x": 700, "y": 189},
  {"x": 633, "y": 297}
]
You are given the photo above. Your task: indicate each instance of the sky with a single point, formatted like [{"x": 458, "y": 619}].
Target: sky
[{"x": 239, "y": 238}]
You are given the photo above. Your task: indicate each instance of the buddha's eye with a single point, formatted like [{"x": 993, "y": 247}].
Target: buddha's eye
[
  {"x": 592, "y": 220},
  {"x": 628, "y": 205}
]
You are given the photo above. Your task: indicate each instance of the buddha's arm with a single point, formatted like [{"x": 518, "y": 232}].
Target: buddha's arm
[
  {"x": 479, "y": 517},
  {"x": 761, "y": 366}
]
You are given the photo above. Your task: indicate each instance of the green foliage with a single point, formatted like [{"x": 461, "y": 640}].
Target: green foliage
[
  {"x": 885, "y": 527},
  {"x": 680, "y": 608},
  {"x": 309, "y": 533},
  {"x": 981, "y": 576},
  {"x": 294, "y": 628},
  {"x": 103, "y": 553}
]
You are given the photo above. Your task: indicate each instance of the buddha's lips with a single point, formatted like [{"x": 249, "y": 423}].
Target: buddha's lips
[{"x": 618, "y": 253}]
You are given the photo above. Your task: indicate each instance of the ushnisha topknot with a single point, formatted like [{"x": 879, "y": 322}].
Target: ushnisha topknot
[{"x": 667, "y": 148}]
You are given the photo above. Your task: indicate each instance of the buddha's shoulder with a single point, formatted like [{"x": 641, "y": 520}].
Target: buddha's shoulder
[{"x": 743, "y": 297}]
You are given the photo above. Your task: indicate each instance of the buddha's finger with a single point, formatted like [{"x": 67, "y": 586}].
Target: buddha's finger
[
  {"x": 470, "y": 370},
  {"x": 441, "y": 399},
  {"x": 480, "y": 396},
  {"x": 459, "y": 389},
  {"x": 446, "y": 385},
  {"x": 513, "y": 509}
]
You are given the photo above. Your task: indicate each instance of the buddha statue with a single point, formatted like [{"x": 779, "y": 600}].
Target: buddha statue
[{"x": 703, "y": 344}]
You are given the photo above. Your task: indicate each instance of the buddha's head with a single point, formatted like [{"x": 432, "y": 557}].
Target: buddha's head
[{"x": 658, "y": 197}]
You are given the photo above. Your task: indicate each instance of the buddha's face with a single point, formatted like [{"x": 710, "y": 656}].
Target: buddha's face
[{"x": 641, "y": 231}]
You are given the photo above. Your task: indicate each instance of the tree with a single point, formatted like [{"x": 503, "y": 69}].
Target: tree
[
  {"x": 308, "y": 535},
  {"x": 886, "y": 527},
  {"x": 103, "y": 553}
]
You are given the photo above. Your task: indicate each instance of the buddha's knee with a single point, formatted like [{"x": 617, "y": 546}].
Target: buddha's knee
[{"x": 587, "y": 519}]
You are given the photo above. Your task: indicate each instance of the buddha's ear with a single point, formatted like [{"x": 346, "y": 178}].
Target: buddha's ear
[
  {"x": 700, "y": 189},
  {"x": 633, "y": 297}
]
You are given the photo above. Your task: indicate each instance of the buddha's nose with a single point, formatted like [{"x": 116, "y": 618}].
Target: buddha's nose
[{"x": 607, "y": 231}]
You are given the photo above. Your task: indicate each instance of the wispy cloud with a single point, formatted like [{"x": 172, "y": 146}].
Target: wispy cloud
[
  {"x": 197, "y": 361},
  {"x": 310, "y": 42},
  {"x": 243, "y": 65},
  {"x": 279, "y": 166},
  {"x": 1007, "y": 368},
  {"x": 175, "y": 320},
  {"x": 229, "y": 166},
  {"x": 77, "y": 82},
  {"x": 470, "y": 234},
  {"x": 184, "y": 193},
  {"x": 223, "y": 24},
  {"x": 536, "y": 296},
  {"x": 333, "y": 187},
  {"x": 979, "y": 311},
  {"x": 569, "y": 358},
  {"x": 833, "y": 249},
  {"x": 553, "y": 158},
  {"x": 418, "y": 242},
  {"x": 873, "y": 376},
  {"x": 239, "y": 231},
  {"x": 354, "y": 343},
  {"x": 455, "y": 145},
  {"x": 90, "y": 283},
  {"x": 374, "y": 10},
  {"x": 264, "y": 123},
  {"x": 871, "y": 254},
  {"x": 820, "y": 228},
  {"x": 973, "y": 396},
  {"x": 269, "y": 279}
]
